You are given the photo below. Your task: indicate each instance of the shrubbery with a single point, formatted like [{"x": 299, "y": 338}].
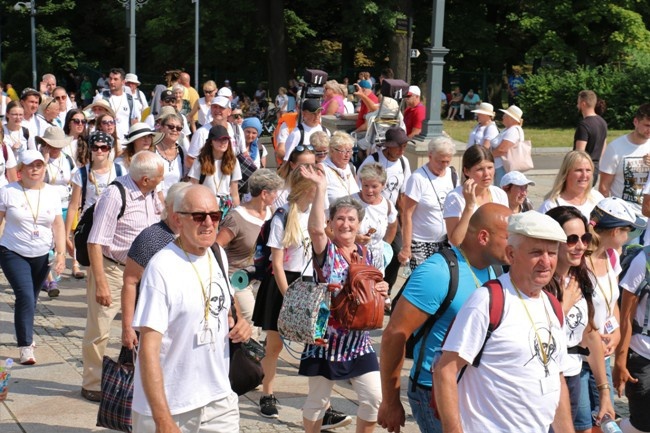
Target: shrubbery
[{"x": 549, "y": 97}]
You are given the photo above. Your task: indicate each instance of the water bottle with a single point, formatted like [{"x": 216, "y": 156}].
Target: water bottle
[
  {"x": 406, "y": 271},
  {"x": 5, "y": 374},
  {"x": 608, "y": 425}
]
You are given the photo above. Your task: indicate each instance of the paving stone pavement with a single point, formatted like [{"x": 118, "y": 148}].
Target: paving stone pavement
[{"x": 45, "y": 398}]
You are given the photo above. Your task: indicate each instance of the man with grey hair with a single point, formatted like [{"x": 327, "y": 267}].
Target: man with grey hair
[
  {"x": 517, "y": 383},
  {"x": 124, "y": 209},
  {"x": 181, "y": 376},
  {"x": 47, "y": 85},
  {"x": 423, "y": 227}
]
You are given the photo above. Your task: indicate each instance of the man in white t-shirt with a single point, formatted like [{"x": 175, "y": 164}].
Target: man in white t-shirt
[
  {"x": 30, "y": 99},
  {"x": 181, "y": 377},
  {"x": 125, "y": 109},
  {"x": 131, "y": 81},
  {"x": 220, "y": 110},
  {"x": 518, "y": 385},
  {"x": 625, "y": 164},
  {"x": 310, "y": 123}
]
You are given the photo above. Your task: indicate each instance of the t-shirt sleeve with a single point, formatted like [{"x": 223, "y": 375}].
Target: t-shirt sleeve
[
  {"x": 581, "y": 133},
  {"x": 392, "y": 215},
  {"x": 276, "y": 233},
  {"x": 610, "y": 160},
  {"x": 454, "y": 205},
  {"x": 421, "y": 293},
  {"x": 635, "y": 273},
  {"x": 419, "y": 117},
  {"x": 467, "y": 333},
  {"x": 230, "y": 224},
  {"x": 413, "y": 188},
  {"x": 236, "y": 174},
  {"x": 154, "y": 313},
  {"x": 546, "y": 206},
  {"x": 195, "y": 170},
  {"x": 11, "y": 160}
]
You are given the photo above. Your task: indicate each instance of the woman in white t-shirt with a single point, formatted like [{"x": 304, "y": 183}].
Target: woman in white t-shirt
[
  {"x": 291, "y": 257},
  {"x": 202, "y": 106},
  {"x": 341, "y": 181},
  {"x": 15, "y": 137},
  {"x": 218, "y": 169},
  {"x": 573, "y": 185},
  {"x": 485, "y": 130},
  {"x": 8, "y": 164},
  {"x": 169, "y": 148},
  {"x": 612, "y": 222},
  {"x": 75, "y": 127},
  {"x": 509, "y": 137},
  {"x": 462, "y": 202},
  {"x": 33, "y": 225},
  {"x": 573, "y": 285},
  {"x": 98, "y": 174}
]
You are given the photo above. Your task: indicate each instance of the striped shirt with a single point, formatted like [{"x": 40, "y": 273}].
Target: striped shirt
[{"x": 116, "y": 236}]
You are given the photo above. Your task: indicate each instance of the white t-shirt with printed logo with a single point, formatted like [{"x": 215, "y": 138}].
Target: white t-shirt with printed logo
[
  {"x": 193, "y": 375},
  {"x": 378, "y": 217},
  {"x": 396, "y": 177},
  {"x": 575, "y": 323},
  {"x": 296, "y": 257},
  {"x": 630, "y": 282}
]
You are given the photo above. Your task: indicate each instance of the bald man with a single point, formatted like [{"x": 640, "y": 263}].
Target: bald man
[{"x": 477, "y": 257}]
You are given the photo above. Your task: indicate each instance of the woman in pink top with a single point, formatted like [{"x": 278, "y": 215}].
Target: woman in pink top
[{"x": 333, "y": 98}]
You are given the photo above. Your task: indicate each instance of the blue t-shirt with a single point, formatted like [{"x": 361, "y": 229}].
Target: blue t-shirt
[{"x": 427, "y": 296}]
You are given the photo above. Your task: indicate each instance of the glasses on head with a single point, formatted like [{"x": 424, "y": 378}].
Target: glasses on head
[
  {"x": 199, "y": 217},
  {"x": 49, "y": 104},
  {"x": 237, "y": 116},
  {"x": 103, "y": 148},
  {"x": 303, "y": 147},
  {"x": 178, "y": 128},
  {"x": 170, "y": 100},
  {"x": 572, "y": 240},
  {"x": 61, "y": 97},
  {"x": 79, "y": 121},
  {"x": 108, "y": 122},
  {"x": 342, "y": 151}
]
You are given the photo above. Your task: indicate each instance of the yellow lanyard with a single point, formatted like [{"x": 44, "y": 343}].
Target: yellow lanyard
[
  {"x": 532, "y": 322},
  {"x": 602, "y": 291},
  {"x": 93, "y": 179},
  {"x": 206, "y": 296},
  {"x": 31, "y": 209},
  {"x": 56, "y": 172},
  {"x": 469, "y": 265}
]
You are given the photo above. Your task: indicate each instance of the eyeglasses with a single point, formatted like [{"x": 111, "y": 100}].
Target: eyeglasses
[
  {"x": 178, "y": 128},
  {"x": 237, "y": 116},
  {"x": 303, "y": 147},
  {"x": 199, "y": 217},
  {"x": 170, "y": 100},
  {"x": 572, "y": 240},
  {"x": 61, "y": 97},
  {"x": 79, "y": 121},
  {"x": 108, "y": 122},
  {"x": 103, "y": 148},
  {"x": 342, "y": 151},
  {"x": 321, "y": 153}
]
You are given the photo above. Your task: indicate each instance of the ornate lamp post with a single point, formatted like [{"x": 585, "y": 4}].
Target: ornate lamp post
[
  {"x": 32, "y": 13},
  {"x": 131, "y": 6}
]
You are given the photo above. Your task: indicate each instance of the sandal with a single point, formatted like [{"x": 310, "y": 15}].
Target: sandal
[{"x": 77, "y": 273}]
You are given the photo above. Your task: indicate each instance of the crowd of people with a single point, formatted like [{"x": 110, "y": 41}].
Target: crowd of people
[{"x": 179, "y": 193}]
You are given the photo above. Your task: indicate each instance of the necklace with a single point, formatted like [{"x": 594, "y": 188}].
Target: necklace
[
  {"x": 545, "y": 353},
  {"x": 170, "y": 161},
  {"x": 206, "y": 295}
]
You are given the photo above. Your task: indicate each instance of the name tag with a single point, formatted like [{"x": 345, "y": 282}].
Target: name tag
[
  {"x": 611, "y": 325},
  {"x": 550, "y": 384}
]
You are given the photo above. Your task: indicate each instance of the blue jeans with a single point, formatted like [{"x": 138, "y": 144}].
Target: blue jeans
[
  {"x": 25, "y": 275},
  {"x": 589, "y": 396},
  {"x": 420, "y": 402}
]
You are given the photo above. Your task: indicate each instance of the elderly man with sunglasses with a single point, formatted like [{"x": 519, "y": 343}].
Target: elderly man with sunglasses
[
  {"x": 181, "y": 380},
  {"x": 108, "y": 245}
]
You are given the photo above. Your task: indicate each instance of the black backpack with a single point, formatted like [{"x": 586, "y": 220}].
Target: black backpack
[
  {"x": 262, "y": 255},
  {"x": 82, "y": 232}
]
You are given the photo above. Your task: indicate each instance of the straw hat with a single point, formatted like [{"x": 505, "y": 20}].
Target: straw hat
[
  {"x": 514, "y": 112},
  {"x": 139, "y": 130},
  {"x": 54, "y": 137},
  {"x": 102, "y": 103},
  {"x": 485, "y": 108}
]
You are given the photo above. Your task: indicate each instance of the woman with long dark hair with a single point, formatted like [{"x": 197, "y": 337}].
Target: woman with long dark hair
[{"x": 75, "y": 127}]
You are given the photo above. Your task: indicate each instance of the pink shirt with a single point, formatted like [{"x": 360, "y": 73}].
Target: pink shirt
[
  {"x": 116, "y": 236},
  {"x": 338, "y": 98}
]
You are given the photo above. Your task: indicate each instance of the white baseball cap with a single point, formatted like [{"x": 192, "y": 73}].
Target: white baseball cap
[
  {"x": 515, "y": 178},
  {"x": 414, "y": 90},
  {"x": 224, "y": 91}
]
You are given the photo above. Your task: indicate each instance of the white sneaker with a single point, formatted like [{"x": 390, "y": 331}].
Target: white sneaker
[{"x": 27, "y": 355}]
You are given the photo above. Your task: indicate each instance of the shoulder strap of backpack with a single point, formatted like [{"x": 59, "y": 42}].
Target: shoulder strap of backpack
[
  {"x": 118, "y": 170},
  {"x": 557, "y": 307},
  {"x": 375, "y": 156},
  {"x": 26, "y": 133},
  {"x": 302, "y": 133},
  {"x": 84, "y": 181},
  {"x": 454, "y": 175},
  {"x": 612, "y": 257},
  {"x": 401, "y": 160},
  {"x": 122, "y": 191},
  {"x": 70, "y": 161},
  {"x": 202, "y": 177},
  {"x": 129, "y": 100},
  {"x": 497, "y": 302},
  {"x": 452, "y": 262},
  {"x": 5, "y": 152}
]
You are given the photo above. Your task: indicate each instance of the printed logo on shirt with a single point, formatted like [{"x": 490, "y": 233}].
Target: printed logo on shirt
[
  {"x": 545, "y": 353},
  {"x": 574, "y": 319},
  {"x": 635, "y": 175}
]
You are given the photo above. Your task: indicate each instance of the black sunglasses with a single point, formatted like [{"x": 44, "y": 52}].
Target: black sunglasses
[
  {"x": 176, "y": 127},
  {"x": 237, "y": 116},
  {"x": 79, "y": 121},
  {"x": 572, "y": 240},
  {"x": 169, "y": 100},
  {"x": 104, "y": 148},
  {"x": 303, "y": 147},
  {"x": 199, "y": 217}
]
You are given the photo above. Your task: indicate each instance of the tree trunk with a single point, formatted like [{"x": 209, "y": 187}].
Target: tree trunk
[{"x": 272, "y": 15}]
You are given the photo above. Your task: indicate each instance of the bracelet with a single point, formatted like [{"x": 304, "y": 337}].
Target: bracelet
[
  {"x": 603, "y": 386},
  {"x": 58, "y": 253}
]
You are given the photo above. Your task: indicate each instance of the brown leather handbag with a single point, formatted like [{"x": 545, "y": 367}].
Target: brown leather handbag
[{"x": 358, "y": 306}]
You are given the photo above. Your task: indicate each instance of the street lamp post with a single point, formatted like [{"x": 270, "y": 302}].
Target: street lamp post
[
  {"x": 132, "y": 5},
  {"x": 32, "y": 13},
  {"x": 196, "y": 44},
  {"x": 435, "y": 68}
]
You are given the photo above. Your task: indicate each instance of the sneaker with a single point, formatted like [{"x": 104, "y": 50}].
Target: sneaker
[
  {"x": 27, "y": 355},
  {"x": 268, "y": 406},
  {"x": 334, "y": 418},
  {"x": 52, "y": 289}
]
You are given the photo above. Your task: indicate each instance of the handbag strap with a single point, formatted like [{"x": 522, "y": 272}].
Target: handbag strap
[{"x": 216, "y": 250}]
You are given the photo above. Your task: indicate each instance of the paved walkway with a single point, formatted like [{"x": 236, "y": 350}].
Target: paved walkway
[{"x": 45, "y": 398}]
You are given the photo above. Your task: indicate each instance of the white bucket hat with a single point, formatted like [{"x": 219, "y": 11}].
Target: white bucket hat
[
  {"x": 131, "y": 78},
  {"x": 514, "y": 112},
  {"x": 485, "y": 108}
]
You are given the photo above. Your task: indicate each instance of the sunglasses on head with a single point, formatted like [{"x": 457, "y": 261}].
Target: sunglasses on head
[
  {"x": 108, "y": 122},
  {"x": 103, "y": 148},
  {"x": 79, "y": 121},
  {"x": 199, "y": 217},
  {"x": 175, "y": 127},
  {"x": 303, "y": 147},
  {"x": 572, "y": 240}
]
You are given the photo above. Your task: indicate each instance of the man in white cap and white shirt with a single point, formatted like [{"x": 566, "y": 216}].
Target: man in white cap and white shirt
[
  {"x": 310, "y": 122},
  {"x": 414, "y": 114},
  {"x": 518, "y": 385},
  {"x": 131, "y": 84},
  {"x": 220, "y": 110}
]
